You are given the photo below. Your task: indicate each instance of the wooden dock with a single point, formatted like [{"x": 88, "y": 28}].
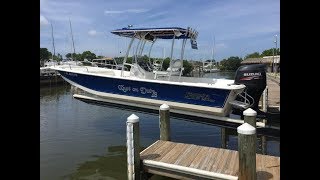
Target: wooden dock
[
  {"x": 185, "y": 160},
  {"x": 189, "y": 161},
  {"x": 273, "y": 92},
  {"x": 271, "y": 96}
]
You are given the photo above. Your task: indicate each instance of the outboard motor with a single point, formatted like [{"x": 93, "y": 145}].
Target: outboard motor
[{"x": 254, "y": 78}]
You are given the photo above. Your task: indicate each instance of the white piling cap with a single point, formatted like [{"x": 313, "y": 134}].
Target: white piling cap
[
  {"x": 249, "y": 112},
  {"x": 133, "y": 118},
  {"x": 164, "y": 107},
  {"x": 246, "y": 129}
]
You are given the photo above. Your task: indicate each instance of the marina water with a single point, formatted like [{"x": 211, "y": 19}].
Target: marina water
[{"x": 86, "y": 141}]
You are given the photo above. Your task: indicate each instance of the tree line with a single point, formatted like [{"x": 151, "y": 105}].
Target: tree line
[
  {"x": 268, "y": 52},
  {"x": 229, "y": 64},
  {"x": 46, "y": 55}
]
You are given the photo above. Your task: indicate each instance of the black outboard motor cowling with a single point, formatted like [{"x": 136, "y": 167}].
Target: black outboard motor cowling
[{"x": 254, "y": 78}]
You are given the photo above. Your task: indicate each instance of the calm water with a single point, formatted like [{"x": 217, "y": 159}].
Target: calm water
[{"x": 84, "y": 141}]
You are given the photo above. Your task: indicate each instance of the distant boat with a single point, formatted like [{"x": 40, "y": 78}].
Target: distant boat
[{"x": 208, "y": 67}]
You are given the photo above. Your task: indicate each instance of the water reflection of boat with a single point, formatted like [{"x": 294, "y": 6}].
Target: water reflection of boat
[{"x": 141, "y": 87}]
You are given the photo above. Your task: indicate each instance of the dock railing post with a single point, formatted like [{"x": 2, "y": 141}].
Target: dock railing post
[
  {"x": 264, "y": 100},
  {"x": 133, "y": 147},
  {"x": 250, "y": 117},
  {"x": 224, "y": 138},
  {"x": 247, "y": 152},
  {"x": 164, "y": 122}
]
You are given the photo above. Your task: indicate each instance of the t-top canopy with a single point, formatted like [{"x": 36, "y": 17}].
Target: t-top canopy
[{"x": 157, "y": 33}]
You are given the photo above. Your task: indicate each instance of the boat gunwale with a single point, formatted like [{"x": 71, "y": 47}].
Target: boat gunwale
[{"x": 203, "y": 85}]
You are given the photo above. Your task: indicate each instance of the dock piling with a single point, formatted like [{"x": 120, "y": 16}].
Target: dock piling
[
  {"x": 133, "y": 147},
  {"x": 164, "y": 122},
  {"x": 264, "y": 100},
  {"x": 247, "y": 152},
  {"x": 264, "y": 144},
  {"x": 224, "y": 138},
  {"x": 250, "y": 117}
]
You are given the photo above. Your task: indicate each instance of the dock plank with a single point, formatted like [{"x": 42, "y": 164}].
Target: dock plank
[
  {"x": 200, "y": 157},
  {"x": 172, "y": 156},
  {"x": 152, "y": 147},
  {"x": 163, "y": 150},
  {"x": 220, "y": 156},
  {"x": 234, "y": 161},
  {"x": 225, "y": 164},
  {"x": 211, "y": 160},
  {"x": 190, "y": 156}
]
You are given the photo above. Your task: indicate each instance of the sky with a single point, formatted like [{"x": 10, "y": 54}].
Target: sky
[{"x": 226, "y": 27}]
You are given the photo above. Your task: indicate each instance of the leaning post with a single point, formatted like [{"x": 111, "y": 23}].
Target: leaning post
[
  {"x": 133, "y": 147},
  {"x": 164, "y": 122}
]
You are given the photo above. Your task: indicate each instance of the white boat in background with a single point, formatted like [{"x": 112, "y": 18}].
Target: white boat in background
[
  {"x": 157, "y": 64},
  {"x": 142, "y": 88},
  {"x": 209, "y": 67}
]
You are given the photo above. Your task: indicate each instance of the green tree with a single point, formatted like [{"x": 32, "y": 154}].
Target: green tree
[
  {"x": 269, "y": 52},
  {"x": 75, "y": 56},
  {"x": 44, "y": 54},
  {"x": 188, "y": 67},
  {"x": 230, "y": 64},
  {"x": 253, "y": 55},
  {"x": 68, "y": 55},
  {"x": 88, "y": 55},
  {"x": 165, "y": 64}
]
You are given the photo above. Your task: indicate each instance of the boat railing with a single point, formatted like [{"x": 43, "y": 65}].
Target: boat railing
[
  {"x": 76, "y": 66},
  {"x": 249, "y": 100}
]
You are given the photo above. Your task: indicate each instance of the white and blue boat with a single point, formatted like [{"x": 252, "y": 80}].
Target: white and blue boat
[{"x": 141, "y": 86}]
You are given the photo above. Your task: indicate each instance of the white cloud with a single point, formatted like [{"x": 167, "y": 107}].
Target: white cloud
[
  {"x": 221, "y": 45},
  {"x": 63, "y": 11},
  {"x": 43, "y": 20},
  {"x": 126, "y": 11},
  {"x": 92, "y": 32}
]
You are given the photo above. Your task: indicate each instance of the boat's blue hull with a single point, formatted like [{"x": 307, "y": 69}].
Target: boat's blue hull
[{"x": 151, "y": 90}]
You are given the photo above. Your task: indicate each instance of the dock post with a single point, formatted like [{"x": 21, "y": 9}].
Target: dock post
[
  {"x": 164, "y": 122},
  {"x": 247, "y": 152},
  {"x": 264, "y": 100},
  {"x": 264, "y": 144},
  {"x": 133, "y": 147},
  {"x": 224, "y": 138},
  {"x": 250, "y": 117}
]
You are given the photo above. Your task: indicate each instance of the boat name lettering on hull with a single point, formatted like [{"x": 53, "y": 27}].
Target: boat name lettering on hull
[
  {"x": 142, "y": 90},
  {"x": 123, "y": 88},
  {"x": 198, "y": 96}
]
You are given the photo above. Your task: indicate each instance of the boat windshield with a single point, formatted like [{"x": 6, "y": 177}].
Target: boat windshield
[
  {"x": 105, "y": 62},
  {"x": 141, "y": 64}
]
